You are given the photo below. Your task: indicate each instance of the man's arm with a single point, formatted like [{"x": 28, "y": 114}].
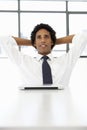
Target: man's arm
[
  {"x": 65, "y": 40},
  {"x": 22, "y": 41},
  {"x": 27, "y": 42}
]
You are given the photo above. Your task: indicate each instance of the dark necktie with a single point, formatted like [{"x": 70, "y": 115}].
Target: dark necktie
[{"x": 46, "y": 71}]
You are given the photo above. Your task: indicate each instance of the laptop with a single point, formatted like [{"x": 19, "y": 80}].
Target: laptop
[{"x": 43, "y": 87}]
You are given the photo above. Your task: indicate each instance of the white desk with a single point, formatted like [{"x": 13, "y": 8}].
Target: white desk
[{"x": 42, "y": 110}]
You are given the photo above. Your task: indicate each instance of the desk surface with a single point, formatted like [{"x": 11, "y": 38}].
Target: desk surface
[{"x": 42, "y": 108}]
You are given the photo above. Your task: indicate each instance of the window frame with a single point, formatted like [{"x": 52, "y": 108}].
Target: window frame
[{"x": 67, "y": 12}]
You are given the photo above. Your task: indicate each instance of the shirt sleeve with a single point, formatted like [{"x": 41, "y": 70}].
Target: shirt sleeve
[
  {"x": 79, "y": 42},
  {"x": 10, "y": 47}
]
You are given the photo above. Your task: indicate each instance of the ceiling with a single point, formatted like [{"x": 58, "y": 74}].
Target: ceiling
[
  {"x": 49, "y": 0},
  {"x": 58, "y": 0}
]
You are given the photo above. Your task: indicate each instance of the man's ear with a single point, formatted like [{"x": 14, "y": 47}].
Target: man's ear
[
  {"x": 51, "y": 42},
  {"x": 34, "y": 45}
]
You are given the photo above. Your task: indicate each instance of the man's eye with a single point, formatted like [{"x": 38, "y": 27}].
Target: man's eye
[
  {"x": 46, "y": 36},
  {"x": 38, "y": 37}
]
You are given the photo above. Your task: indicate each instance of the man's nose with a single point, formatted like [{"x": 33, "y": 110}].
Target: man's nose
[{"x": 43, "y": 39}]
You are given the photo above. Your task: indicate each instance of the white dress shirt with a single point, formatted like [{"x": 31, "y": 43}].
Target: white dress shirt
[{"x": 31, "y": 67}]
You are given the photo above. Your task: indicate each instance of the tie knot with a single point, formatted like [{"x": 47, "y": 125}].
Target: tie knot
[{"x": 45, "y": 57}]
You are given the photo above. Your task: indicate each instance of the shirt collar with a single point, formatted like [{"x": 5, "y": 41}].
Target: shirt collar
[{"x": 39, "y": 56}]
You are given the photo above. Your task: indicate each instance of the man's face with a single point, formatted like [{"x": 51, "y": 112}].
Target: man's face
[{"x": 43, "y": 42}]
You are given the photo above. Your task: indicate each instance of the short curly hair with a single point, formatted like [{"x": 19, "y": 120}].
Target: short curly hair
[{"x": 43, "y": 26}]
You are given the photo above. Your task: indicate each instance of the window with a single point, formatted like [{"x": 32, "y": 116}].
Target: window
[
  {"x": 77, "y": 22},
  {"x": 75, "y": 26},
  {"x": 9, "y": 24},
  {"x": 18, "y": 18},
  {"x": 43, "y": 6},
  {"x": 29, "y": 20},
  {"x": 8, "y": 5},
  {"x": 77, "y": 6}
]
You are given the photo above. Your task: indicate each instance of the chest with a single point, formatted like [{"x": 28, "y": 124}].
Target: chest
[{"x": 34, "y": 65}]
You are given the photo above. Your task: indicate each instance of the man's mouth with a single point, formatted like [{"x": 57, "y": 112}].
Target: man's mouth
[{"x": 43, "y": 45}]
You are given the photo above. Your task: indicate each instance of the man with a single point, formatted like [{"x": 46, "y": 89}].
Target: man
[{"x": 43, "y": 38}]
